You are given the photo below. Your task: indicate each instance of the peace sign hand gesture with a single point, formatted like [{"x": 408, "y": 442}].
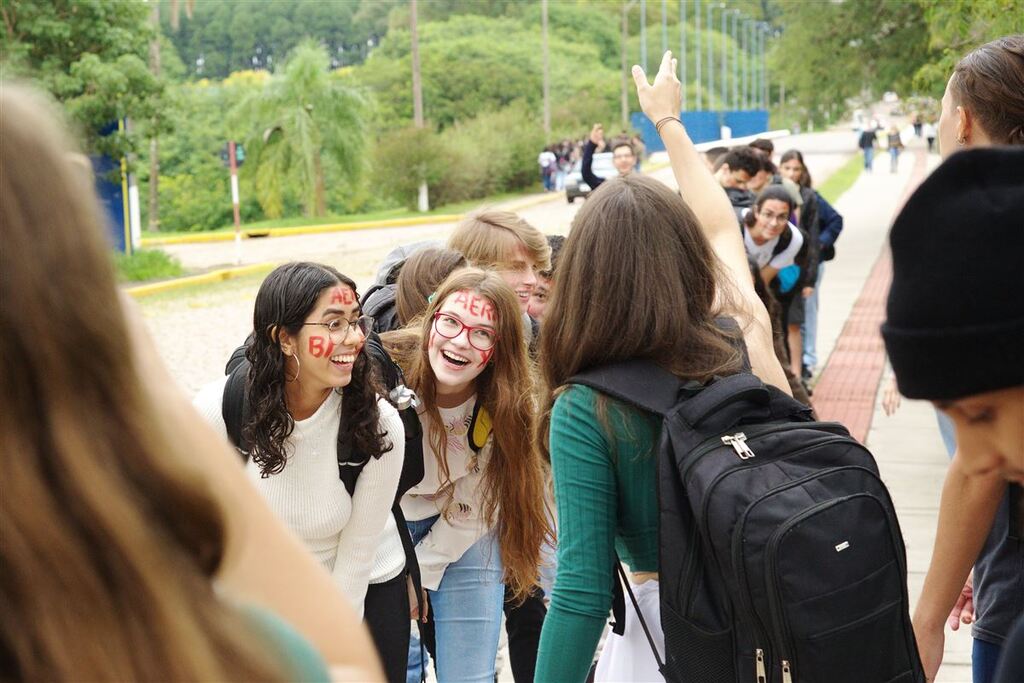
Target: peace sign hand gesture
[{"x": 662, "y": 99}]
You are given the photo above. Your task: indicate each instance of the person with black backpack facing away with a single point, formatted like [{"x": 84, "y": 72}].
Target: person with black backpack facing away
[
  {"x": 644, "y": 341},
  {"x": 321, "y": 442}
]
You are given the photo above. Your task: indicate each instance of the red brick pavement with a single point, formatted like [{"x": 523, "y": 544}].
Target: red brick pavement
[{"x": 846, "y": 389}]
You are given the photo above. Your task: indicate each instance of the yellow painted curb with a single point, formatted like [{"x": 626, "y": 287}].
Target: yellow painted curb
[
  {"x": 204, "y": 279},
  {"x": 299, "y": 230}
]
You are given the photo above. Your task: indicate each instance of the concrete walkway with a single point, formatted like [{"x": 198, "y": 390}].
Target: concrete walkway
[{"x": 907, "y": 445}]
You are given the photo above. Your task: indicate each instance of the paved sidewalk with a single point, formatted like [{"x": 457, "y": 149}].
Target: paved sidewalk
[{"x": 907, "y": 445}]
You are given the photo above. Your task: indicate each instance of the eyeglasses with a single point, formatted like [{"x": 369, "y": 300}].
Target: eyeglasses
[
  {"x": 450, "y": 327},
  {"x": 774, "y": 218},
  {"x": 338, "y": 328}
]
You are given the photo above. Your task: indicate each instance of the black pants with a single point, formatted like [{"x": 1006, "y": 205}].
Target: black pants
[
  {"x": 523, "y": 624},
  {"x": 386, "y": 611}
]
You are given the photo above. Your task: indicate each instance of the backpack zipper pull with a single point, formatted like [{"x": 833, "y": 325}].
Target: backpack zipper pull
[
  {"x": 762, "y": 676},
  {"x": 738, "y": 441},
  {"x": 787, "y": 674}
]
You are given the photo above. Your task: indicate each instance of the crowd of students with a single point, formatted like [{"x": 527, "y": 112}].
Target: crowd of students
[{"x": 404, "y": 458}]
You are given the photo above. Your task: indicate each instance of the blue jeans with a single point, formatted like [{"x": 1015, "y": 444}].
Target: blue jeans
[
  {"x": 869, "y": 156},
  {"x": 809, "y": 328},
  {"x": 467, "y": 612},
  {"x": 984, "y": 659}
]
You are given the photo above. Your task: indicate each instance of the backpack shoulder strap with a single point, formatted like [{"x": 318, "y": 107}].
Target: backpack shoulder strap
[
  {"x": 479, "y": 428},
  {"x": 784, "y": 239},
  {"x": 639, "y": 382},
  {"x": 233, "y": 406}
]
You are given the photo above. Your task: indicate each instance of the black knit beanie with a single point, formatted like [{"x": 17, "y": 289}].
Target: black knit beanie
[{"x": 955, "y": 316}]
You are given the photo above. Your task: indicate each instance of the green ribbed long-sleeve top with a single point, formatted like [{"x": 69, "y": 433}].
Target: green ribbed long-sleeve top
[{"x": 605, "y": 476}]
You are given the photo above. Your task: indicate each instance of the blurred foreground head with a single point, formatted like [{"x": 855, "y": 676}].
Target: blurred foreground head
[
  {"x": 107, "y": 541},
  {"x": 955, "y": 316}
]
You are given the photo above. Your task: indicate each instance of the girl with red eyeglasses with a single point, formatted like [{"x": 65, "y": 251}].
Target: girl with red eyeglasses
[{"x": 477, "y": 517}]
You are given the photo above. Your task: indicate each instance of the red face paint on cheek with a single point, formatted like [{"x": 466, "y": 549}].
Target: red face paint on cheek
[
  {"x": 486, "y": 356},
  {"x": 320, "y": 347}
]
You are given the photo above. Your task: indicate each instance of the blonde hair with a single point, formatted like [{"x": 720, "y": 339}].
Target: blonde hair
[
  {"x": 488, "y": 239},
  {"x": 514, "y": 477},
  {"x": 108, "y": 538}
]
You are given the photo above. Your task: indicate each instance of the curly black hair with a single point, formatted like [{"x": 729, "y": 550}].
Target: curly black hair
[{"x": 285, "y": 298}]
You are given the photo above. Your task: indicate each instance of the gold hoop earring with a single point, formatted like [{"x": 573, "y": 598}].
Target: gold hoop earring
[
  {"x": 298, "y": 369},
  {"x": 961, "y": 141}
]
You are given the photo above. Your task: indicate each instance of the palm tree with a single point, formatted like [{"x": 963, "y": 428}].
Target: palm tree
[{"x": 301, "y": 114}]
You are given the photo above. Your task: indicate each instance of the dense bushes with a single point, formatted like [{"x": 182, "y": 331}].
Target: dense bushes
[{"x": 491, "y": 153}]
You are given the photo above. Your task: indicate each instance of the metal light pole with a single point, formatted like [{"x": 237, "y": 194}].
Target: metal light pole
[
  {"x": 735, "y": 60},
  {"x": 643, "y": 34},
  {"x": 423, "y": 198},
  {"x": 759, "y": 68},
  {"x": 700, "y": 75},
  {"x": 725, "y": 83},
  {"x": 625, "y": 68},
  {"x": 547, "y": 85},
  {"x": 747, "y": 31},
  {"x": 764, "y": 67},
  {"x": 664, "y": 26},
  {"x": 711, "y": 60},
  {"x": 682, "y": 48}
]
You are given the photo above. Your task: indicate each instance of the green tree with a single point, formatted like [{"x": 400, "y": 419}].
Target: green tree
[
  {"x": 90, "y": 54},
  {"x": 301, "y": 114},
  {"x": 832, "y": 51},
  {"x": 956, "y": 27}
]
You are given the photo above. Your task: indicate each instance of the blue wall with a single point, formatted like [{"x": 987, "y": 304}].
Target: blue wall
[
  {"x": 703, "y": 126},
  {"x": 111, "y": 198},
  {"x": 745, "y": 123}
]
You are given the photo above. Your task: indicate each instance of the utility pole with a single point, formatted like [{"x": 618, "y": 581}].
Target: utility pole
[
  {"x": 682, "y": 48},
  {"x": 423, "y": 200},
  {"x": 547, "y": 83},
  {"x": 697, "y": 14},
  {"x": 235, "y": 203}
]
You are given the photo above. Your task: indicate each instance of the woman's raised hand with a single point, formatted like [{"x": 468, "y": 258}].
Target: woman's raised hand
[{"x": 662, "y": 99}]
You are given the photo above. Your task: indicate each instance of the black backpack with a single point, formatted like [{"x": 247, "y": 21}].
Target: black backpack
[
  {"x": 780, "y": 556},
  {"x": 234, "y": 408}
]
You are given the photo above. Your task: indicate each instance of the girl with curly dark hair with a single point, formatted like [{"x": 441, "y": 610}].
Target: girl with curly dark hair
[
  {"x": 308, "y": 378},
  {"x": 478, "y": 516}
]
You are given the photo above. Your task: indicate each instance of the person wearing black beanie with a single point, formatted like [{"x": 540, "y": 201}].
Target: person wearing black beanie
[{"x": 955, "y": 336}]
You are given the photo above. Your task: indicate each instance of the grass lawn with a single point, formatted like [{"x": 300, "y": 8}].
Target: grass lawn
[
  {"x": 147, "y": 264},
  {"x": 842, "y": 180},
  {"x": 386, "y": 214}
]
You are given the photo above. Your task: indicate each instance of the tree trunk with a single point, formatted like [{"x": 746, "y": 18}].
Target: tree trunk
[
  {"x": 319, "y": 201},
  {"x": 154, "y": 144}
]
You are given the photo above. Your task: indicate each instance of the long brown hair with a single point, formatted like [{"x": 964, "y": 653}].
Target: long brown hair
[
  {"x": 513, "y": 483},
  {"x": 636, "y": 279},
  {"x": 420, "y": 276},
  {"x": 108, "y": 538},
  {"x": 990, "y": 83}
]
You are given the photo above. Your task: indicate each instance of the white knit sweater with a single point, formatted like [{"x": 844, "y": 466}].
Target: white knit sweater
[{"x": 354, "y": 538}]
